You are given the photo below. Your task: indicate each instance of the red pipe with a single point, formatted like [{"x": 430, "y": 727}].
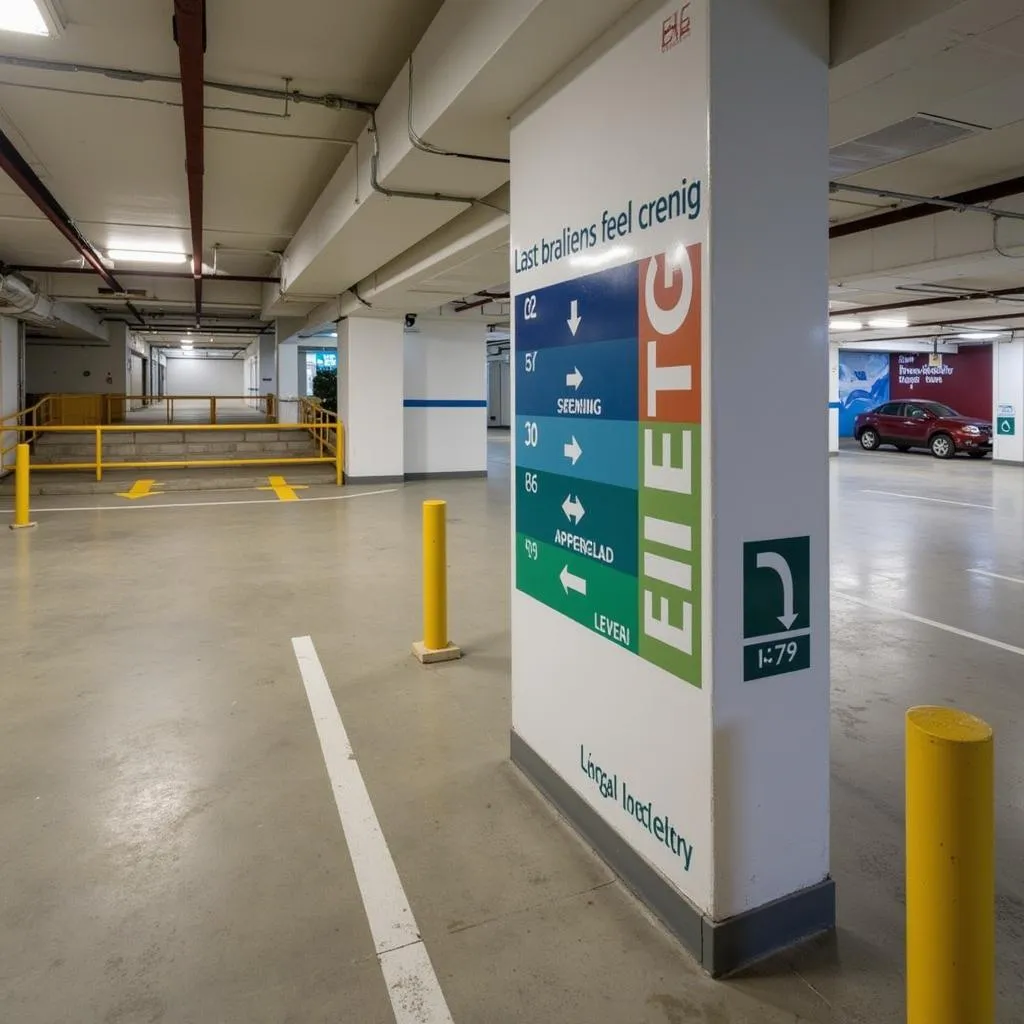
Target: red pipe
[{"x": 190, "y": 35}]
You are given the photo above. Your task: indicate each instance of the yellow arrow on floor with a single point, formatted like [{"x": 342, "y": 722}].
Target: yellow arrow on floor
[
  {"x": 140, "y": 489},
  {"x": 284, "y": 490}
]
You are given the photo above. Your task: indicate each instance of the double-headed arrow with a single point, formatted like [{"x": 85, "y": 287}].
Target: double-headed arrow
[
  {"x": 570, "y": 582},
  {"x": 572, "y": 450},
  {"x": 573, "y": 509}
]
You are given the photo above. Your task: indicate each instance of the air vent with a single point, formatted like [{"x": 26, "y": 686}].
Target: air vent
[{"x": 917, "y": 134}]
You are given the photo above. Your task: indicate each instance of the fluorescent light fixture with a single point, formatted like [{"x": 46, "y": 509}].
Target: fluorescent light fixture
[
  {"x": 146, "y": 256},
  {"x": 883, "y": 322},
  {"x": 979, "y": 335},
  {"x": 840, "y": 324},
  {"x": 23, "y": 16},
  {"x": 185, "y": 342}
]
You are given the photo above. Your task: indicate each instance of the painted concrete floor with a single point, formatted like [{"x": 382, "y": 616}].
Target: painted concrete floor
[{"x": 170, "y": 847}]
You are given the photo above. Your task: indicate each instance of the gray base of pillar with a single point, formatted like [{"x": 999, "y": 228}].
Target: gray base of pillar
[
  {"x": 721, "y": 947},
  {"x": 406, "y": 478}
]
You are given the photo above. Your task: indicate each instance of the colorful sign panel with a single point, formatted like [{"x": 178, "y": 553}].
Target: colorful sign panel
[{"x": 608, "y": 448}]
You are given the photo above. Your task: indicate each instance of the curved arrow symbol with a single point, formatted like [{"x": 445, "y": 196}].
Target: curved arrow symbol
[
  {"x": 774, "y": 561},
  {"x": 1006, "y": 427}
]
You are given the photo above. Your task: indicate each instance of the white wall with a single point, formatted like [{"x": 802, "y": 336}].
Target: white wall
[
  {"x": 445, "y": 363},
  {"x": 198, "y": 376},
  {"x": 370, "y": 394},
  {"x": 1007, "y": 390},
  {"x": 287, "y": 374},
  {"x": 10, "y": 398},
  {"x": 52, "y": 366}
]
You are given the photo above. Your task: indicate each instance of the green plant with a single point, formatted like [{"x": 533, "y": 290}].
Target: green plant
[{"x": 325, "y": 387}]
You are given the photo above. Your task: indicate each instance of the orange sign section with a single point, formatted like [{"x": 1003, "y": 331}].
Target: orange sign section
[{"x": 670, "y": 337}]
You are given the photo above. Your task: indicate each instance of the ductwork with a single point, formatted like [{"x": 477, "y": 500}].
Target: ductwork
[{"x": 17, "y": 296}]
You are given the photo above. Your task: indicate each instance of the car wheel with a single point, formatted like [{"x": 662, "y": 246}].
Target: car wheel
[
  {"x": 903, "y": 447},
  {"x": 869, "y": 439},
  {"x": 942, "y": 446},
  {"x": 978, "y": 455}
]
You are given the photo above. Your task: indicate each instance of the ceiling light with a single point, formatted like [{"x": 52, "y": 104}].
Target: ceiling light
[
  {"x": 844, "y": 325},
  {"x": 889, "y": 321},
  {"x": 23, "y": 16},
  {"x": 146, "y": 256},
  {"x": 979, "y": 335}
]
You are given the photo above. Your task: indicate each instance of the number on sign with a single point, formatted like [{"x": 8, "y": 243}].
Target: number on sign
[
  {"x": 532, "y": 550},
  {"x": 531, "y": 361},
  {"x": 530, "y": 307},
  {"x": 531, "y": 434},
  {"x": 530, "y": 481}
]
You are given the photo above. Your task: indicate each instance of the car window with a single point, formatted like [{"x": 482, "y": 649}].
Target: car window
[
  {"x": 889, "y": 409},
  {"x": 916, "y": 412},
  {"x": 938, "y": 409}
]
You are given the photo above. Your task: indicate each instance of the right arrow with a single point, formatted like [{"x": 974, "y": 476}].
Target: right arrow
[
  {"x": 575, "y": 319},
  {"x": 570, "y": 582},
  {"x": 574, "y": 379},
  {"x": 774, "y": 561},
  {"x": 572, "y": 451},
  {"x": 573, "y": 509}
]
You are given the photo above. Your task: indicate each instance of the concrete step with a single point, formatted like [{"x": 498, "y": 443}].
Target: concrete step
[{"x": 197, "y": 451}]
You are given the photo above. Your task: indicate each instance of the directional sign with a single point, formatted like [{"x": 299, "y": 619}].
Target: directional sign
[
  {"x": 776, "y": 606},
  {"x": 608, "y": 455},
  {"x": 1006, "y": 426},
  {"x": 139, "y": 489}
]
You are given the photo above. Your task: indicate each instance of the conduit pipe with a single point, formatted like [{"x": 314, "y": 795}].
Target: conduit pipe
[
  {"x": 190, "y": 35},
  {"x": 173, "y": 275},
  {"x": 938, "y": 300}
]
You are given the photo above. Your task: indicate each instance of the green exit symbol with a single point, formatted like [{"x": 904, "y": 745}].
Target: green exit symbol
[
  {"x": 776, "y": 606},
  {"x": 1006, "y": 426}
]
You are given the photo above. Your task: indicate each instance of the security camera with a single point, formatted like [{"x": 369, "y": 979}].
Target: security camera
[{"x": 410, "y": 319}]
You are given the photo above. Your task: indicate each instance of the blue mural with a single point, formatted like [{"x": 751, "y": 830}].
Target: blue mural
[{"x": 863, "y": 384}]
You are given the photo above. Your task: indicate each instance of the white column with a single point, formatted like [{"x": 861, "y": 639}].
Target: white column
[
  {"x": 266, "y": 363},
  {"x": 116, "y": 382},
  {"x": 445, "y": 399},
  {"x": 1008, "y": 399},
  {"x": 10, "y": 383},
  {"x": 670, "y": 644},
  {"x": 370, "y": 398},
  {"x": 833, "y": 398}
]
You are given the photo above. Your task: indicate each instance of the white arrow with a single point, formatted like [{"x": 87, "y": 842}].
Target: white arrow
[
  {"x": 575, "y": 319},
  {"x": 774, "y": 561},
  {"x": 570, "y": 582},
  {"x": 573, "y": 509},
  {"x": 572, "y": 451},
  {"x": 574, "y": 379}
]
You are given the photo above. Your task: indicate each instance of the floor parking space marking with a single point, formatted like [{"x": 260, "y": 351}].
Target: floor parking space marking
[
  {"x": 921, "y": 497},
  {"x": 283, "y": 490},
  {"x": 887, "y": 610},
  {"x": 996, "y": 576},
  {"x": 139, "y": 489},
  {"x": 413, "y": 988},
  {"x": 201, "y": 504}
]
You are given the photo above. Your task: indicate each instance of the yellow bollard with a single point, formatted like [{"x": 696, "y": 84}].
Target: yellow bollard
[
  {"x": 950, "y": 821},
  {"x": 339, "y": 453},
  {"x": 21, "y": 485},
  {"x": 435, "y": 645},
  {"x": 213, "y": 411}
]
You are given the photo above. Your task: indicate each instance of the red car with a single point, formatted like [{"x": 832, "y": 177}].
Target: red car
[{"x": 929, "y": 425}]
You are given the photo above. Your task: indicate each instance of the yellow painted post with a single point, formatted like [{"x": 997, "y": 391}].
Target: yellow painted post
[
  {"x": 339, "y": 453},
  {"x": 99, "y": 454},
  {"x": 950, "y": 821},
  {"x": 213, "y": 410},
  {"x": 435, "y": 645},
  {"x": 21, "y": 487}
]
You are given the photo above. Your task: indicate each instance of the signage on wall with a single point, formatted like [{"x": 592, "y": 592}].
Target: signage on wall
[
  {"x": 1006, "y": 426},
  {"x": 326, "y": 361},
  {"x": 608, "y": 489},
  {"x": 776, "y": 606}
]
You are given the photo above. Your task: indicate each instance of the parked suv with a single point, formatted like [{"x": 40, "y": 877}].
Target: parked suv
[{"x": 924, "y": 425}]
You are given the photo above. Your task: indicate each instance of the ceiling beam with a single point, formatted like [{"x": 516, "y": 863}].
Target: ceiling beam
[
  {"x": 938, "y": 300},
  {"x": 190, "y": 35},
  {"x": 174, "y": 275}
]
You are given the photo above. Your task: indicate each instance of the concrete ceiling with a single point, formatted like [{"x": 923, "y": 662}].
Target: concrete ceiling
[{"x": 112, "y": 151}]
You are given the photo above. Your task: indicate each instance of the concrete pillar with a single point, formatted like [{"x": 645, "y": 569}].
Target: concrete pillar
[
  {"x": 370, "y": 398},
  {"x": 266, "y": 364},
  {"x": 10, "y": 383},
  {"x": 445, "y": 399},
  {"x": 833, "y": 398},
  {"x": 670, "y": 636},
  {"x": 116, "y": 380},
  {"x": 286, "y": 367},
  {"x": 1008, "y": 399}
]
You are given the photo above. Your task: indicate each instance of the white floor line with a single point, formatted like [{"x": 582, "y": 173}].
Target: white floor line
[
  {"x": 135, "y": 506},
  {"x": 921, "y": 497},
  {"x": 415, "y": 992},
  {"x": 996, "y": 576},
  {"x": 886, "y": 610}
]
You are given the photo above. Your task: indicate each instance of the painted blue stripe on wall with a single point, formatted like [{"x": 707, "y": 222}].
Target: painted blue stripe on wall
[
  {"x": 446, "y": 403},
  {"x": 835, "y": 405}
]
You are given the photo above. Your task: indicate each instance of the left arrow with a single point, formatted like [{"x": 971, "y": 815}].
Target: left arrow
[
  {"x": 570, "y": 582},
  {"x": 774, "y": 561},
  {"x": 139, "y": 489}
]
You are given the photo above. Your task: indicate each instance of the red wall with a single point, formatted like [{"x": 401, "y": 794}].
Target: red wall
[{"x": 964, "y": 380}]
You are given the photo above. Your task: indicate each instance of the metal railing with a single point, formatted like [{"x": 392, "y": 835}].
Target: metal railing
[{"x": 28, "y": 425}]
